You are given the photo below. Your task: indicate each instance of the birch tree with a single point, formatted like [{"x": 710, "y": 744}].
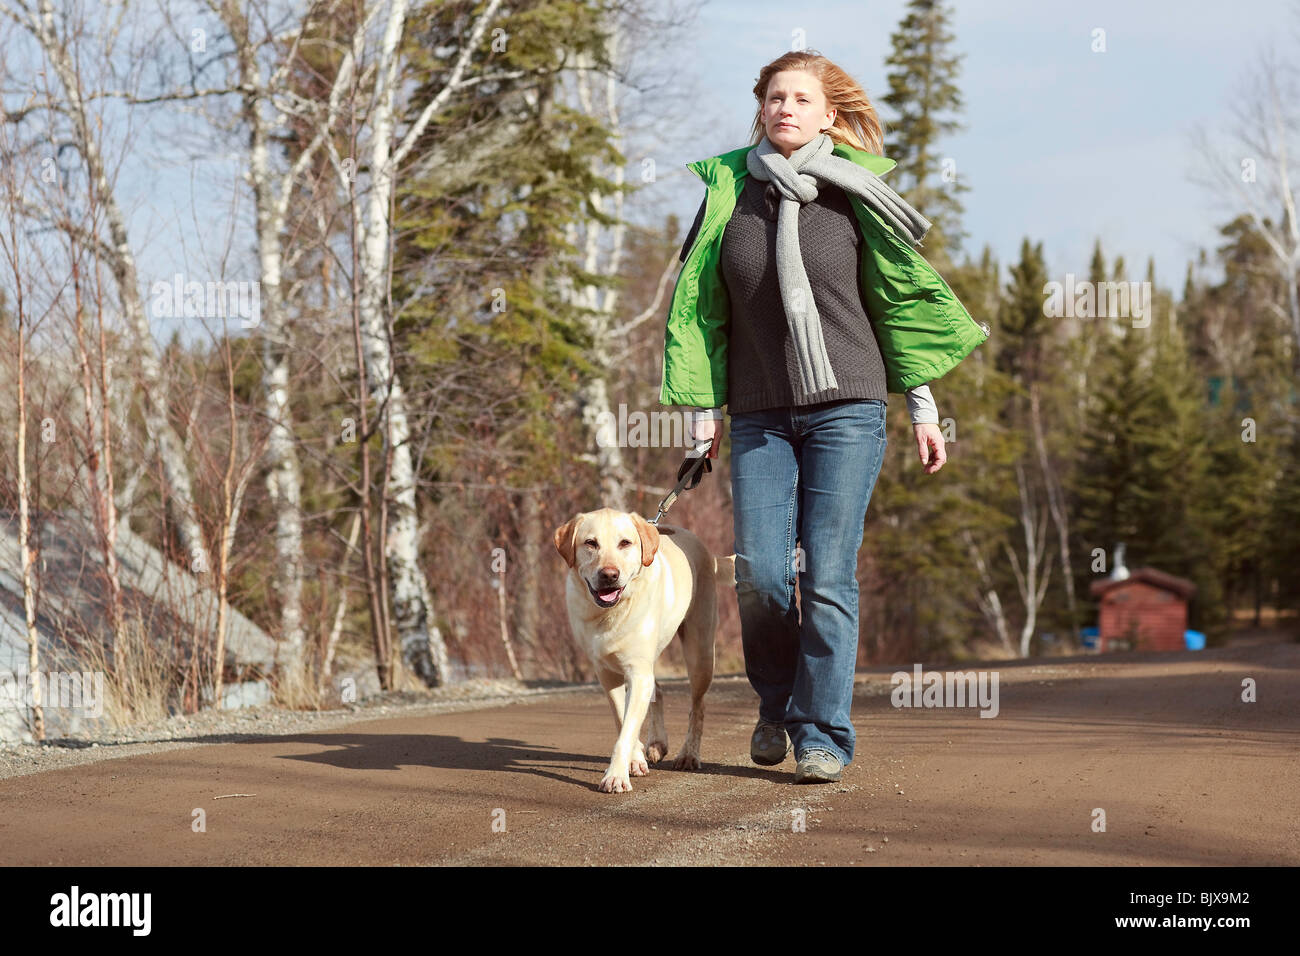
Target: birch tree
[
  {"x": 987, "y": 598},
  {"x": 1032, "y": 578},
  {"x": 423, "y": 648},
  {"x": 9, "y": 248},
  {"x": 1059, "y": 510},
  {"x": 98, "y": 437},
  {"x": 1257, "y": 171},
  {"x": 599, "y": 304},
  {"x": 600, "y": 240},
  {"x": 263, "y": 112},
  {"x": 153, "y": 385}
]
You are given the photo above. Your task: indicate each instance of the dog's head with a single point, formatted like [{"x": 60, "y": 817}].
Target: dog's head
[{"x": 607, "y": 548}]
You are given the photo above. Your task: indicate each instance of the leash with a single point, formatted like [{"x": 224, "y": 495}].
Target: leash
[{"x": 688, "y": 475}]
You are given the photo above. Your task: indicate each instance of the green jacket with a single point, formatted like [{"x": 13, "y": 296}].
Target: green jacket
[{"x": 922, "y": 329}]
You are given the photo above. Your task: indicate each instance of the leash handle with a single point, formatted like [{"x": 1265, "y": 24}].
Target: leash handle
[{"x": 689, "y": 476}]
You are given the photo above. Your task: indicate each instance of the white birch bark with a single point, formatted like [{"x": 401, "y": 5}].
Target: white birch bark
[
  {"x": 986, "y": 596},
  {"x": 411, "y": 611},
  {"x": 28, "y": 559},
  {"x": 28, "y": 554},
  {"x": 1056, "y": 502},
  {"x": 423, "y": 648},
  {"x": 1031, "y": 581},
  {"x": 593, "y": 394},
  {"x": 153, "y": 386},
  {"x": 284, "y": 477},
  {"x": 331, "y": 643},
  {"x": 272, "y": 191}
]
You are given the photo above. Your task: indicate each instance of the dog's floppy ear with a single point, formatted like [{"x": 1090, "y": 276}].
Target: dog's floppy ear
[
  {"x": 649, "y": 535},
  {"x": 564, "y": 542}
]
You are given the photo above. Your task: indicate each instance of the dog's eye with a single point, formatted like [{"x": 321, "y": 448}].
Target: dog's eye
[
  {"x": 625, "y": 543},
  {"x": 590, "y": 542}
]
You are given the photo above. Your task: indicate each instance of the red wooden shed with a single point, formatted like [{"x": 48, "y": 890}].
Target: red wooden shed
[{"x": 1146, "y": 611}]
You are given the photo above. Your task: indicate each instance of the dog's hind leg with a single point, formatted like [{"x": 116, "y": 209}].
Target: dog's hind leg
[
  {"x": 698, "y": 632},
  {"x": 656, "y": 747}
]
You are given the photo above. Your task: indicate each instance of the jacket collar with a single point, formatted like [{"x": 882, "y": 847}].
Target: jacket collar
[{"x": 730, "y": 167}]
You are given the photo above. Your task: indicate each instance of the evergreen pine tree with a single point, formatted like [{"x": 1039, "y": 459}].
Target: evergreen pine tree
[
  {"x": 1023, "y": 326},
  {"x": 1082, "y": 339},
  {"x": 1237, "y": 345},
  {"x": 923, "y": 93},
  {"x": 1144, "y": 465},
  {"x": 509, "y": 168}
]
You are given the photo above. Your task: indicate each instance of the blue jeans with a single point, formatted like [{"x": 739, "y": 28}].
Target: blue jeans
[{"x": 803, "y": 473}]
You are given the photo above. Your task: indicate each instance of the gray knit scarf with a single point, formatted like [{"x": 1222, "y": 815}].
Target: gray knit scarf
[{"x": 810, "y": 167}]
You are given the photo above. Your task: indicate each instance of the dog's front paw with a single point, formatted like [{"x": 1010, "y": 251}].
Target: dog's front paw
[
  {"x": 638, "y": 766},
  {"x": 655, "y": 751},
  {"x": 615, "y": 782},
  {"x": 686, "y": 760}
]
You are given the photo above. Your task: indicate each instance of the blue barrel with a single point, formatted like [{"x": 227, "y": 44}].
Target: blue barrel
[{"x": 1194, "y": 640}]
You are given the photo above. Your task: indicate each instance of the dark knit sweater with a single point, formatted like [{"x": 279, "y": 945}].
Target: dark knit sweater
[{"x": 762, "y": 369}]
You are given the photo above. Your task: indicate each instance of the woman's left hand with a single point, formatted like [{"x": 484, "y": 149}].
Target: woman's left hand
[{"x": 929, "y": 445}]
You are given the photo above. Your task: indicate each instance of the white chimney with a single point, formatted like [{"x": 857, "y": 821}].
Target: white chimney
[{"x": 1119, "y": 572}]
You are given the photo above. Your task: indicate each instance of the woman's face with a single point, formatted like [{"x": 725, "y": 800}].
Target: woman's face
[{"x": 795, "y": 110}]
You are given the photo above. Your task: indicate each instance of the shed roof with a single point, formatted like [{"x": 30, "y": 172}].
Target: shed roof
[{"x": 1161, "y": 579}]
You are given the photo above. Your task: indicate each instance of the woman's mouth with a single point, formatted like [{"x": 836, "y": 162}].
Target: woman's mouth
[{"x": 785, "y": 126}]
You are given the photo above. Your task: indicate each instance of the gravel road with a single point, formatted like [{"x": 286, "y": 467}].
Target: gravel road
[{"x": 495, "y": 774}]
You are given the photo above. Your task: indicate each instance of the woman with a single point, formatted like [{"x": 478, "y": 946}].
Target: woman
[{"x": 801, "y": 304}]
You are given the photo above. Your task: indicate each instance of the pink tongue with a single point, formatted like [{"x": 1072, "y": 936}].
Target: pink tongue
[{"x": 610, "y": 595}]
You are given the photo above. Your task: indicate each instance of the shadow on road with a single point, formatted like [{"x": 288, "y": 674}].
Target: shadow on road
[{"x": 355, "y": 751}]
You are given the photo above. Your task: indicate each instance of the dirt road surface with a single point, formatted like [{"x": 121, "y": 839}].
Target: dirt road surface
[{"x": 1185, "y": 771}]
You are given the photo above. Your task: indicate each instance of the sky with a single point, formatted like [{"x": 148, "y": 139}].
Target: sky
[{"x": 1061, "y": 144}]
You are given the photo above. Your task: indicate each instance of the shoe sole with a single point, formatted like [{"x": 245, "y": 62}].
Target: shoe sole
[
  {"x": 816, "y": 778},
  {"x": 765, "y": 762}
]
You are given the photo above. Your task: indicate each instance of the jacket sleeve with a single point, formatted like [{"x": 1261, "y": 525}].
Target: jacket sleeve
[
  {"x": 695, "y": 336},
  {"x": 695, "y": 228},
  {"x": 920, "y": 405},
  {"x": 923, "y": 329},
  {"x": 695, "y": 415}
]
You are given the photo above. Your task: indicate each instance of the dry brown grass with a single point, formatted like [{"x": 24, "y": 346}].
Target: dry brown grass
[{"x": 137, "y": 688}]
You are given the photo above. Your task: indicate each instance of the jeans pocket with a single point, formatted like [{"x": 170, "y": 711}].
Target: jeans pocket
[{"x": 877, "y": 420}]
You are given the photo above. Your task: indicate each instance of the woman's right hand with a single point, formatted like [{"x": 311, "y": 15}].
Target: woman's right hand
[
  {"x": 710, "y": 429},
  {"x": 703, "y": 429}
]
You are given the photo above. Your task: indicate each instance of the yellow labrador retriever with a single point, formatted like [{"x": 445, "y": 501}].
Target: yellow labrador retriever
[{"x": 630, "y": 588}]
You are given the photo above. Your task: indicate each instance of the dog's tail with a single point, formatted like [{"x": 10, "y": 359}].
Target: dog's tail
[{"x": 724, "y": 569}]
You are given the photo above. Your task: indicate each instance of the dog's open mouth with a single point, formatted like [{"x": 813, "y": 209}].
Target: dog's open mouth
[{"x": 606, "y": 598}]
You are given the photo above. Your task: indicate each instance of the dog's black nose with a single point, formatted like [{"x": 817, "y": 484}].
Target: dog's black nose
[{"x": 607, "y": 577}]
